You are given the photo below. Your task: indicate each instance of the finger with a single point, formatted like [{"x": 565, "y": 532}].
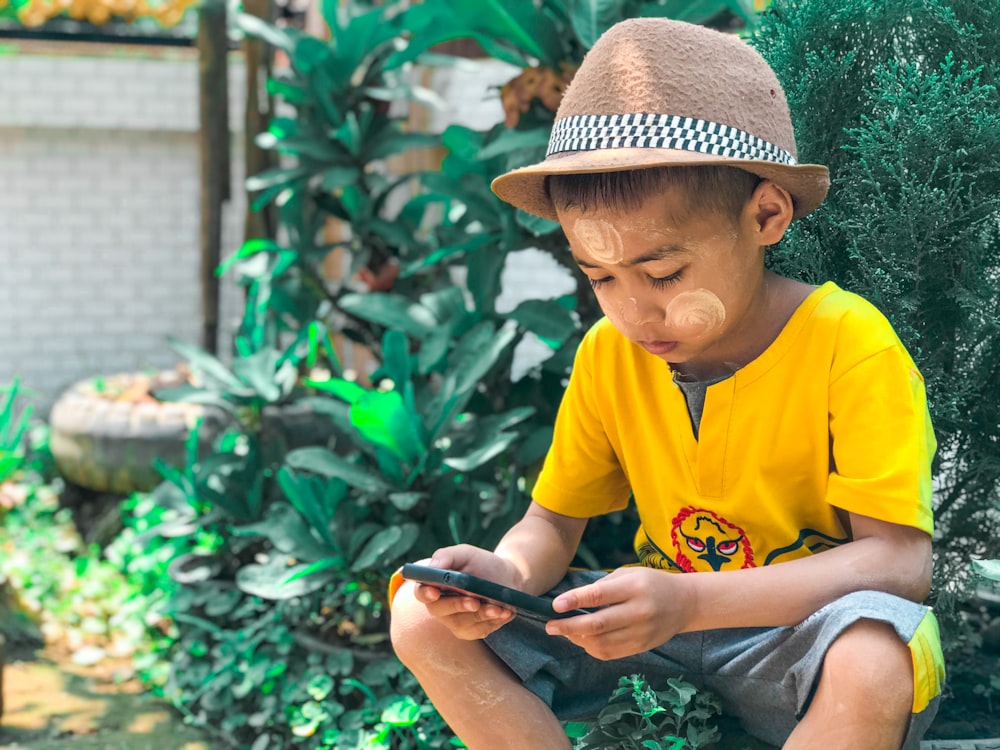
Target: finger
[
  {"x": 478, "y": 630},
  {"x": 590, "y": 596},
  {"x": 474, "y": 625},
  {"x": 445, "y": 606},
  {"x": 455, "y": 557},
  {"x": 587, "y": 626},
  {"x": 427, "y": 594},
  {"x": 606, "y": 647}
]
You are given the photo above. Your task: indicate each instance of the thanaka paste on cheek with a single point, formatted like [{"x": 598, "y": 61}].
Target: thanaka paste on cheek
[
  {"x": 694, "y": 313},
  {"x": 600, "y": 240}
]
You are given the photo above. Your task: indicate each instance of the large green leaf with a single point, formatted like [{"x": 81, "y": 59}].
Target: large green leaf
[
  {"x": 447, "y": 304},
  {"x": 259, "y": 370},
  {"x": 210, "y": 370},
  {"x": 346, "y": 390},
  {"x": 361, "y": 35},
  {"x": 381, "y": 418},
  {"x": 387, "y": 546},
  {"x": 987, "y": 568},
  {"x": 261, "y": 29},
  {"x": 276, "y": 579},
  {"x": 322, "y": 461},
  {"x": 537, "y": 225},
  {"x": 316, "y": 498},
  {"x": 462, "y": 141},
  {"x": 509, "y": 20},
  {"x": 315, "y": 148},
  {"x": 397, "y": 365},
  {"x": 286, "y": 530},
  {"x": 591, "y": 18},
  {"x": 278, "y": 177},
  {"x": 310, "y": 53},
  {"x": 477, "y": 352},
  {"x": 509, "y": 140},
  {"x": 291, "y": 91},
  {"x": 700, "y": 11},
  {"x": 484, "y": 270},
  {"x": 535, "y": 447},
  {"x": 394, "y": 143},
  {"x": 460, "y": 19},
  {"x": 545, "y": 318},
  {"x": 488, "y": 448},
  {"x": 391, "y": 311}
]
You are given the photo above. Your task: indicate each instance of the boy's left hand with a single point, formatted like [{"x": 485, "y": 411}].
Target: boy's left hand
[{"x": 639, "y": 609}]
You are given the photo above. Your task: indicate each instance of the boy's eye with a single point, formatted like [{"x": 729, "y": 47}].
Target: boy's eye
[
  {"x": 598, "y": 283},
  {"x": 662, "y": 281}
]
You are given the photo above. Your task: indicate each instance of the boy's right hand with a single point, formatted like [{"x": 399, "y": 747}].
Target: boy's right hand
[{"x": 466, "y": 617}]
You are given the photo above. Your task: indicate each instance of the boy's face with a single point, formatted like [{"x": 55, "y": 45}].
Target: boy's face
[{"x": 685, "y": 289}]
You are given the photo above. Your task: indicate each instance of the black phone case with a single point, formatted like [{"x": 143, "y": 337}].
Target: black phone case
[{"x": 535, "y": 607}]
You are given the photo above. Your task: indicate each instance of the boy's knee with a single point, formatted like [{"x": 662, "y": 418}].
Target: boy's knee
[
  {"x": 871, "y": 662},
  {"x": 414, "y": 632}
]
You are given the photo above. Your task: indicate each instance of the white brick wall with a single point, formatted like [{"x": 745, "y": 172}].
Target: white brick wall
[{"x": 99, "y": 213}]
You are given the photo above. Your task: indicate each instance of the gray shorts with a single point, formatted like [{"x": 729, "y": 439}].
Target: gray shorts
[{"x": 765, "y": 677}]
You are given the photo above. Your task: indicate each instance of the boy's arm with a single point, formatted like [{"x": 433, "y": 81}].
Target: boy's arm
[
  {"x": 645, "y": 607},
  {"x": 540, "y": 547},
  {"x": 532, "y": 556}
]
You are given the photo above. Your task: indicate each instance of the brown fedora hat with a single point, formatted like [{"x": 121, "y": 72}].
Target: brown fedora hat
[{"x": 654, "y": 92}]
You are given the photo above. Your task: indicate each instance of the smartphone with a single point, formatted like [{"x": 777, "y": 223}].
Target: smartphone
[{"x": 454, "y": 583}]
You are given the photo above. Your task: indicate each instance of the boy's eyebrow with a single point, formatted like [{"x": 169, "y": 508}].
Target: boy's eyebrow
[{"x": 658, "y": 254}]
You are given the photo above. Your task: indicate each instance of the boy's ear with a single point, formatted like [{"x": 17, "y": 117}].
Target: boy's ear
[{"x": 769, "y": 211}]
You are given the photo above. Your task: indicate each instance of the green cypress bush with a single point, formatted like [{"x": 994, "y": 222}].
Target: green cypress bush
[{"x": 899, "y": 98}]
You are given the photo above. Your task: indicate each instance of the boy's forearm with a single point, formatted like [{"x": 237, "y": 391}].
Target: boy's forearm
[
  {"x": 787, "y": 593},
  {"x": 541, "y": 546}
]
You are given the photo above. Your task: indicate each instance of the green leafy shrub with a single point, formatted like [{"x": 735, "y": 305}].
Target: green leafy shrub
[{"x": 899, "y": 99}]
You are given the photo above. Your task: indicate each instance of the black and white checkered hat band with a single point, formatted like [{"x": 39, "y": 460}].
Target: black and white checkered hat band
[{"x": 594, "y": 132}]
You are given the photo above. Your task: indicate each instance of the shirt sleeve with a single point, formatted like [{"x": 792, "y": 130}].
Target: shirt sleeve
[
  {"x": 581, "y": 476},
  {"x": 882, "y": 441}
]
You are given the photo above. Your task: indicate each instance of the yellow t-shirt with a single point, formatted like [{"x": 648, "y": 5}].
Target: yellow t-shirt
[{"x": 832, "y": 415}]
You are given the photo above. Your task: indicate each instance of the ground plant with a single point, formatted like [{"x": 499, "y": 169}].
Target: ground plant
[{"x": 638, "y": 717}]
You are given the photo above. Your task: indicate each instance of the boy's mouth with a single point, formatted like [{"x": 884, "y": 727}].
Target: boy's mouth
[{"x": 658, "y": 348}]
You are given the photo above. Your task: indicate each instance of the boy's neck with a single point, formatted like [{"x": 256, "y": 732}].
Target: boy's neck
[{"x": 780, "y": 298}]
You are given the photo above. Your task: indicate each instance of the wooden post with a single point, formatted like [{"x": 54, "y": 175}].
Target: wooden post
[
  {"x": 215, "y": 166},
  {"x": 258, "y": 57}
]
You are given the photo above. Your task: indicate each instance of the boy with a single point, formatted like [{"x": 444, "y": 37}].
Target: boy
[{"x": 774, "y": 436}]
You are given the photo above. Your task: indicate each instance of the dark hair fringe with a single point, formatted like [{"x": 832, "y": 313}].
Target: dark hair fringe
[{"x": 707, "y": 189}]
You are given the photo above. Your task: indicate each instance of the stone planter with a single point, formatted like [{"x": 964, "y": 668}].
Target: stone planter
[{"x": 106, "y": 439}]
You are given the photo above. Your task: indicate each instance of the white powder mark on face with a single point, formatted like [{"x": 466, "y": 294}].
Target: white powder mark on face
[
  {"x": 694, "y": 313},
  {"x": 600, "y": 240}
]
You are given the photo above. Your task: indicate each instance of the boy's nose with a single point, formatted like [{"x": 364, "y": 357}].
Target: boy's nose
[
  {"x": 634, "y": 313},
  {"x": 639, "y": 314}
]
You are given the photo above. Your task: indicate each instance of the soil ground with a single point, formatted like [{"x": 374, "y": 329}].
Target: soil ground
[{"x": 50, "y": 703}]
